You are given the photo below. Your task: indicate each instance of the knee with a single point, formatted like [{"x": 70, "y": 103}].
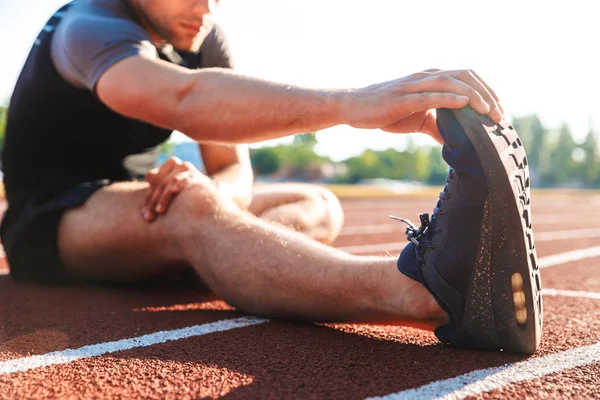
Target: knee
[
  {"x": 334, "y": 219},
  {"x": 328, "y": 217},
  {"x": 191, "y": 213},
  {"x": 325, "y": 223},
  {"x": 200, "y": 200}
]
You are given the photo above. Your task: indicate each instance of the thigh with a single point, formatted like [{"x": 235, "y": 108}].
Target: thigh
[
  {"x": 29, "y": 229},
  {"x": 106, "y": 238}
]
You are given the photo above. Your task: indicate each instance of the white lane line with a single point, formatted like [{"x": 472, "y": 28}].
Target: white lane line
[
  {"x": 540, "y": 237},
  {"x": 567, "y": 234},
  {"x": 571, "y": 293},
  {"x": 484, "y": 380},
  {"x": 569, "y": 256},
  {"x": 70, "y": 355},
  {"x": 557, "y": 218},
  {"x": 538, "y": 220},
  {"x": 391, "y": 228},
  {"x": 543, "y": 262}
]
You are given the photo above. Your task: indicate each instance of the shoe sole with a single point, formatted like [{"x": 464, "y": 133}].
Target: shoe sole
[{"x": 512, "y": 285}]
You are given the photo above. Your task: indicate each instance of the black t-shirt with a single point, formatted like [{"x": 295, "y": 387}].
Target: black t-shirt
[{"x": 58, "y": 133}]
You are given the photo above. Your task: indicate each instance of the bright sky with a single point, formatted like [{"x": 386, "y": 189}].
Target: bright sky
[{"x": 539, "y": 56}]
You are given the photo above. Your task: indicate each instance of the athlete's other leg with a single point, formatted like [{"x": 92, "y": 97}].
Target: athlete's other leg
[
  {"x": 252, "y": 264},
  {"x": 309, "y": 209}
]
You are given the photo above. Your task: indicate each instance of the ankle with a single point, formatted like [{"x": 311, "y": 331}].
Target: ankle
[
  {"x": 421, "y": 304},
  {"x": 395, "y": 298}
]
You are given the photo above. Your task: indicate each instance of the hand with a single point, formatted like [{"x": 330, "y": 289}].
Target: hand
[
  {"x": 407, "y": 104},
  {"x": 165, "y": 183}
]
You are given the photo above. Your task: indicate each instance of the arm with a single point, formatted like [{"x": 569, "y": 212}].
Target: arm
[
  {"x": 218, "y": 105},
  {"x": 230, "y": 166},
  {"x": 215, "y": 105}
]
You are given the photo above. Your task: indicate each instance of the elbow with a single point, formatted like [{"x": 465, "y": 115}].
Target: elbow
[
  {"x": 186, "y": 100},
  {"x": 193, "y": 109}
]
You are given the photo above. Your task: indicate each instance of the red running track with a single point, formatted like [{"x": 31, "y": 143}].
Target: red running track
[{"x": 265, "y": 359}]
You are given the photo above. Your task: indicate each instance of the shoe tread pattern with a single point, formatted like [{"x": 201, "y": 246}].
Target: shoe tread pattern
[
  {"x": 515, "y": 163},
  {"x": 502, "y": 153}
]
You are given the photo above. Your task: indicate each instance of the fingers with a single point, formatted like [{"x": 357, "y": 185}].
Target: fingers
[
  {"x": 488, "y": 95},
  {"x": 461, "y": 82},
  {"x": 418, "y": 102},
  {"x": 158, "y": 193},
  {"x": 388, "y": 105},
  {"x": 163, "y": 194},
  {"x": 165, "y": 183},
  {"x": 449, "y": 84},
  {"x": 157, "y": 175},
  {"x": 151, "y": 175},
  {"x": 420, "y": 75},
  {"x": 176, "y": 185},
  {"x": 490, "y": 90}
]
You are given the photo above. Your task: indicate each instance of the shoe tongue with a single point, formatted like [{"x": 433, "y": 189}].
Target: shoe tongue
[{"x": 407, "y": 263}]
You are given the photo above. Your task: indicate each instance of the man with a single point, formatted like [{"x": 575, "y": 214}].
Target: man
[{"x": 108, "y": 79}]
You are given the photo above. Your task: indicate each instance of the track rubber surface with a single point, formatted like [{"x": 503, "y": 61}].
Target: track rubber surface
[{"x": 283, "y": 359}]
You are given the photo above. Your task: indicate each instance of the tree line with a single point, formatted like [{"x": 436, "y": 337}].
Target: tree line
[{"x": 555, "y": 159}]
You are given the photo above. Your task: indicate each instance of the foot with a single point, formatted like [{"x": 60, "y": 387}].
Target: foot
[{"x": 475, "y": 254}]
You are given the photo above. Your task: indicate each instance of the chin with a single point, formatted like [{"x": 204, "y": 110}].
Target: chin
[
  {"x": 187, "y": 45},
  {"x": 182, "y": 45},
  {"x": 187, "y": 49}
]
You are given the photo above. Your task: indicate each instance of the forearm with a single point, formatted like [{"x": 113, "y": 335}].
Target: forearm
[
  {"x": 236, "y": 181},
  {"x": 222, "y": 106}
]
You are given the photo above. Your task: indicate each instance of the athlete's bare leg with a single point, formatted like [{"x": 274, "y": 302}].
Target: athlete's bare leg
[
  {"x": 310, "y": 209},
  {"x": 260, "y": 268}
]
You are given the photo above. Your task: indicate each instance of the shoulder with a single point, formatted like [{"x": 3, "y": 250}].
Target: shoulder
[
  {"x": 91, "y": 37},
  {"x": 215, "y": 50},
  {"x": 87, "y": 25}
]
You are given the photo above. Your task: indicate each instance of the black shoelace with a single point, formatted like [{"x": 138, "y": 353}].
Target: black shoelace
[{"x": 422, "y": 236}]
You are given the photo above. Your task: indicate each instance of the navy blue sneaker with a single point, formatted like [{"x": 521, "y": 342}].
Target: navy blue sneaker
[{"x": 476, "y": 254}]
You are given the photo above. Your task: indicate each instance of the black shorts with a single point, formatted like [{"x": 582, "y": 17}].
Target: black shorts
[{"x": 29, "y": 232}]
